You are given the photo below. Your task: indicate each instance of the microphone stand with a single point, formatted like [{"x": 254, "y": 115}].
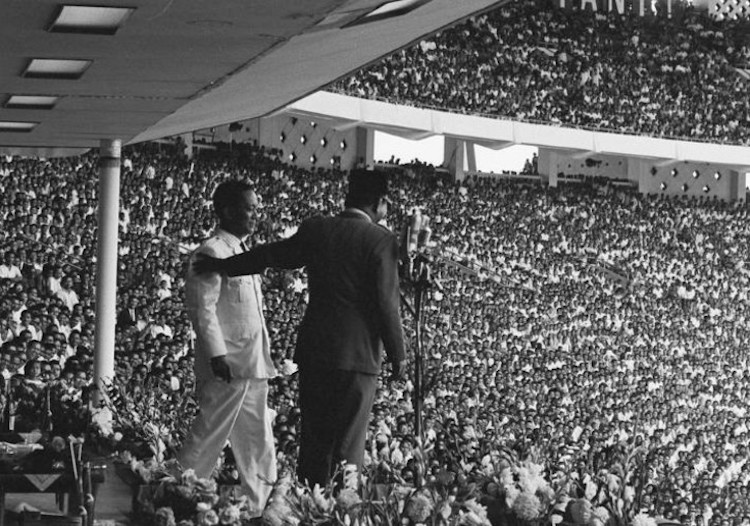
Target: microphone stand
[
  {"x": 422, "y": 283},
  {"x": 419, "y": 274}
]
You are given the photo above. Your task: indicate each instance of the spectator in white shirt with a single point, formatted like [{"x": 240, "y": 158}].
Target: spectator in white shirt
[
  {"x": 163, "y": 292},
  {"x": 26, "y": 325},
  {"x": 67, "y": 294},
  {"x": 54, "y": 280},
  {"x": 9, "y": 269}
]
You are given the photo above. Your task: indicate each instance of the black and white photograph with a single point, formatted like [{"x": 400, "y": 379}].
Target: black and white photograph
[{"x": 375, "y": 263}]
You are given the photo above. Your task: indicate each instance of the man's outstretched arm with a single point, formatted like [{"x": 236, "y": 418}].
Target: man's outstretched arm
[
  {"x": 282, "y": 254},
  {"x": 253, "y": 261}
]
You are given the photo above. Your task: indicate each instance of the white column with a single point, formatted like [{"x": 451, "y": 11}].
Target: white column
[
  {"x": 471, "y": 156},
  {"x": 460, "y": 173},
  {"x": 453, "y": 157},
  {"x": 737, "y": 185},
  {"x": 547, "y": 166},
  {"x": 449, "y": 152},
  {"x": 106, "y": 260},
  {"x": 365, "y": 147}
]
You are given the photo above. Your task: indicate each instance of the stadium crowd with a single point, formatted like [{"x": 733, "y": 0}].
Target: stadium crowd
[
  {"x": 561, "y": 354},
  {"x": 533, "y": 61}
]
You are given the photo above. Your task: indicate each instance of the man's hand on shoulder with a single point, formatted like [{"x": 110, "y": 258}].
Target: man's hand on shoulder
[
  {"x": 221, "y": 369},
  {"x": 398, "y": 370},
  {"x": 203, "y": 264}
]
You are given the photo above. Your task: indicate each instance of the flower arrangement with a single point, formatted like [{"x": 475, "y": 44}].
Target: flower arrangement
[
  {"x": 614, "y": 495},
  {"x": 28, "y": 404},
  {"x": 374, "y": 497},
  {"x": 67, "y": 407},
  {"x": 516, "y": 490},
  {"x": 186, "y": 500},
  {"x": 146, "y": 420}
]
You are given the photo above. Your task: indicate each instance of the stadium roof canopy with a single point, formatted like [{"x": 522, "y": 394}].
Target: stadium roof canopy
[{"x": 74, "y": 74}]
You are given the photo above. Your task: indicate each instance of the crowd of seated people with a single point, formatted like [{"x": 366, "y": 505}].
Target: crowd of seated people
[
  {"x": 533, "y": 61},
  {"x": 557, "y": 354}
]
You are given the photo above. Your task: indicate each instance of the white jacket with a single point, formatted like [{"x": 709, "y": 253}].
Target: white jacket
[{"x": 227, "y": 316}]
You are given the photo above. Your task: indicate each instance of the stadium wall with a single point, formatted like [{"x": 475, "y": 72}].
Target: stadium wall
[
  {"x": 677, "y": 178},
  {"x": 554, "y": 164},
  {"x": 306, "y": 142},
  {"x": 407, "y": 121},
  {"x": 690, "y": 179},
  {"x": 333, "y": 130}
]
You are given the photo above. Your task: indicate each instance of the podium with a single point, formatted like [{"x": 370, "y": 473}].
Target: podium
[
  {"x": 57, "y": 483},
  {"x": 61, "y": 484}
]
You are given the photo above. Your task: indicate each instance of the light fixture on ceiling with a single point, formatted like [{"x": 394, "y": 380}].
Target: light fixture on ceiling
[
  {"x": 388, "y": 10},
  {"x": 31, "y": 102},
  {"x": 52, "y": 68},
  {"x": 17, "y": 126},
  {"x": 89, "y": 19}
]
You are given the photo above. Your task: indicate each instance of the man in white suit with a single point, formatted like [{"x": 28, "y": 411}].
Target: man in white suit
[{"x": 232, "y": 356}]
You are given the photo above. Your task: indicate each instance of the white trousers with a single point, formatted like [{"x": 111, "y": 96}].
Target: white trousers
[{"x": 238, "y": 412}]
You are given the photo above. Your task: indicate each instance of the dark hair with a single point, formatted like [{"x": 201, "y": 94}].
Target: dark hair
[
  {"x": 27, "y": 367},
  {"x": 366, "y": 187},
  {"x": 229, "y": 193}
]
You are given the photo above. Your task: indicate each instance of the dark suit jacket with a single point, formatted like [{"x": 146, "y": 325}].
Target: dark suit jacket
[
  {"x": 352, "y": 268},
  {"x": 126, "y": 320}
]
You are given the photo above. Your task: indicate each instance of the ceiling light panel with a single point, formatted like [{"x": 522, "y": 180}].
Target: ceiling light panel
[
  {"x": 31, "y": 102},
  {"x": 396, "y": 6},
  {"x": 389, "y": 10},
  {"x": 48, "y": 68},
  {"x": 92, "y": 20},
  {"x": 17, "y": 126}
]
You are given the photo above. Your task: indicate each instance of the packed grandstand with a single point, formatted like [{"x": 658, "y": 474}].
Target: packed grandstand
[
  {"x": 681, "y": 77},
  {"x": 620, "y": 324}
]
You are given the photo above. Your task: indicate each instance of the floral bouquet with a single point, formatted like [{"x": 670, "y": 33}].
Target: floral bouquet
[
  {"x": 145, "y": 419},
  {"x": 188, "y": 501},
  {"x": 376, "y": 497},
  {"x": 517, "y": 492},
  {"x": 613, "y": 496},
  {"x": 67, "y": 407}
]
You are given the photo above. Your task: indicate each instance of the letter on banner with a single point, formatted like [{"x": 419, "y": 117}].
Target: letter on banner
[
  {"x": 592, "y": 3},
  {"x": 619, "y": 5}
]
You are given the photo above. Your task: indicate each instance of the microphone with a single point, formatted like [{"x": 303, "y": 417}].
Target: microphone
[
  {"x": 415, "y": 238},
  {"x": 415, "y": 234}
]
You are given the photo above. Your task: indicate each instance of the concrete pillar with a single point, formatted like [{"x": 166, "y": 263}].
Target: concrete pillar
[
  {"x": 449, "y": 152},
  {"x": 366, "y": 147},
  {"x": 742, "y": 185},
  {"x": 453, "y": 157},
  {"x": 737, "y": 185},
  {"x": 106, "y": 261},
  {"x": 547, "y": 166},
  {"x": 471, "y": 156},
  {"x": 639, "y": 171},
  {"x": 459, "y": 172}
]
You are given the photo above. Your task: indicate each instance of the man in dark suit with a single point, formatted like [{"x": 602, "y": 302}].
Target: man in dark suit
[
  {"x": 128, "y": 318},
  {"x": 352, "y": 268}
]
